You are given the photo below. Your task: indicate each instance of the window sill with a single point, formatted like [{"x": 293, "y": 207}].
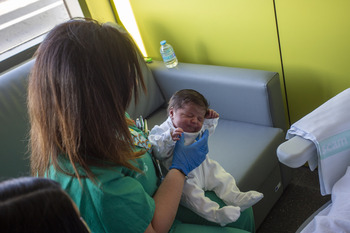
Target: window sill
[{"x": 19, "y": 54}]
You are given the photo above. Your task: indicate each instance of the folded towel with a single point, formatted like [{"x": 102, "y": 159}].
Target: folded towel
[
  {"x": 328, "y": 127},
  {"x": 336, "y": 216}
]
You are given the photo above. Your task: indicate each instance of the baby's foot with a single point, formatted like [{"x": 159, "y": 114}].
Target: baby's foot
[
  {"x": 227, "y": 214},
  {"x": 247, "y": 199}
]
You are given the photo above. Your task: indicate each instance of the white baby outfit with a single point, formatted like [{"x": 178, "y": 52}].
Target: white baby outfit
[{"x": 209, "y": 176}]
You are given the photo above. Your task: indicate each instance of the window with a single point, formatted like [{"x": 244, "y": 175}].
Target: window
[{"x": 23, "y": 23}]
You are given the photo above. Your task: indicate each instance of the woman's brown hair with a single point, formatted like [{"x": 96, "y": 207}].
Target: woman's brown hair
[{"x": 84, "y": 77}]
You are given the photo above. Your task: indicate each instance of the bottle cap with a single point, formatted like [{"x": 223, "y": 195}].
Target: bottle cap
[
  {"x": 148, "y": 59},
  {"x": 163, "y": 42}
]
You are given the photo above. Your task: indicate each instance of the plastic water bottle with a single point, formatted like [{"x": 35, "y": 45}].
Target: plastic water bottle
[{"x": 168, "y": 54}]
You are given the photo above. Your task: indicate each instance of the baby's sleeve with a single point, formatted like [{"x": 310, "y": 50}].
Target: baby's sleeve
[
  {"x": 162, "y": 142},
  {"x": 210, "y": 124}
]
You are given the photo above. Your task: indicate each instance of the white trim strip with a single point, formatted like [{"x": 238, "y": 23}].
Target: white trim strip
[{"x": 31, "y": 14}]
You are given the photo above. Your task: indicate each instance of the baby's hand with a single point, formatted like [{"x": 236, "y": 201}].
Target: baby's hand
[
  {"x": 211, "y": 114},
  {"x": 175, "y": 135}
]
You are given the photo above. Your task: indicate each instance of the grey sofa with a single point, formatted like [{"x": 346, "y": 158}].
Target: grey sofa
[{"x": 251, "y": 126}]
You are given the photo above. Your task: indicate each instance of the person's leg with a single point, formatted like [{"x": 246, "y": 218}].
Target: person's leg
[
  {"x": 193, "y": 197},
  {"x": 224, "y": 185},
  {"x": 190, "y": 228},
  {"x": 244, "y": 222}
]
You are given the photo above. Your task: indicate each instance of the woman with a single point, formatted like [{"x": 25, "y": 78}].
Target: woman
[
  {"x": 80, "y": 87},
  {"x": 37, "y": 205}
]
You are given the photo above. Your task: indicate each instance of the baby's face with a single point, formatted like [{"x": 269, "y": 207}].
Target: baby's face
[{"x": 190, "y": 117}]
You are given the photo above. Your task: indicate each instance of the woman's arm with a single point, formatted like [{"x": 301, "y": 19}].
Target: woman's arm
[{"x": 167, "y": 199}]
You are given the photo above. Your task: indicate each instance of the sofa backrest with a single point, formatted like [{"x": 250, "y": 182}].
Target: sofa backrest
[
  {"x": 148, "y": 102},
  {"x": 245, "y": 95},
  {"x": 14, "y": 124},
  {"x": 14, "y": 121}
]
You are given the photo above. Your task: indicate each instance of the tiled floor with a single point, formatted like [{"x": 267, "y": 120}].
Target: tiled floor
[{"x": 300, "y": 199}]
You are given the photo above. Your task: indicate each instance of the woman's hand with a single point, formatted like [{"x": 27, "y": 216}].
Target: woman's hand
[{"x": 187, "y": 158}]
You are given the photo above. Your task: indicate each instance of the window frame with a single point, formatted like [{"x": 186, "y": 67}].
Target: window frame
[{"x": 25, "y": 51}]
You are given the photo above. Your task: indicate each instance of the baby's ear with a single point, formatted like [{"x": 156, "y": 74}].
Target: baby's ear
[
  {"x": 207, "y": 113},
  {"x": 171, "y": 112}
]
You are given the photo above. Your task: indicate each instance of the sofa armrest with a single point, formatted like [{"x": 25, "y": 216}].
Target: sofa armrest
[
  {"x": 246, "y": 95},
  {"x": 297, "y": 151}
]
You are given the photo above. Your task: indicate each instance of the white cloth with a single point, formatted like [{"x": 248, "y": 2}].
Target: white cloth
[
  {"x": 208, "y": 176},
  {"x": 336, "y": 216},
  {"x": 328, "y": 127}
]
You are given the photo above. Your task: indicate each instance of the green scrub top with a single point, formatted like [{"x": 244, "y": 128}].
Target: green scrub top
[{"x": 121, "y": 199}]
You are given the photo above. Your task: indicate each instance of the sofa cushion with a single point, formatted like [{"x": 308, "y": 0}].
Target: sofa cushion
[{"x": 246, "y": 151}]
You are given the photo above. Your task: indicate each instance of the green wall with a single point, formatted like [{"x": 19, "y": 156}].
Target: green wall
[
  {"x": 221, "y": 32},
  {"x": 315, "y": 47}
]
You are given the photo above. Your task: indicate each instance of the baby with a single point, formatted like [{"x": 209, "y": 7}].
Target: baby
[{"x": 189, "y": 114}]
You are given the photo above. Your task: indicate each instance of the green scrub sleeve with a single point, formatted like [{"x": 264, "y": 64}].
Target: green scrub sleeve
[{"x": 125, "y": 206}]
